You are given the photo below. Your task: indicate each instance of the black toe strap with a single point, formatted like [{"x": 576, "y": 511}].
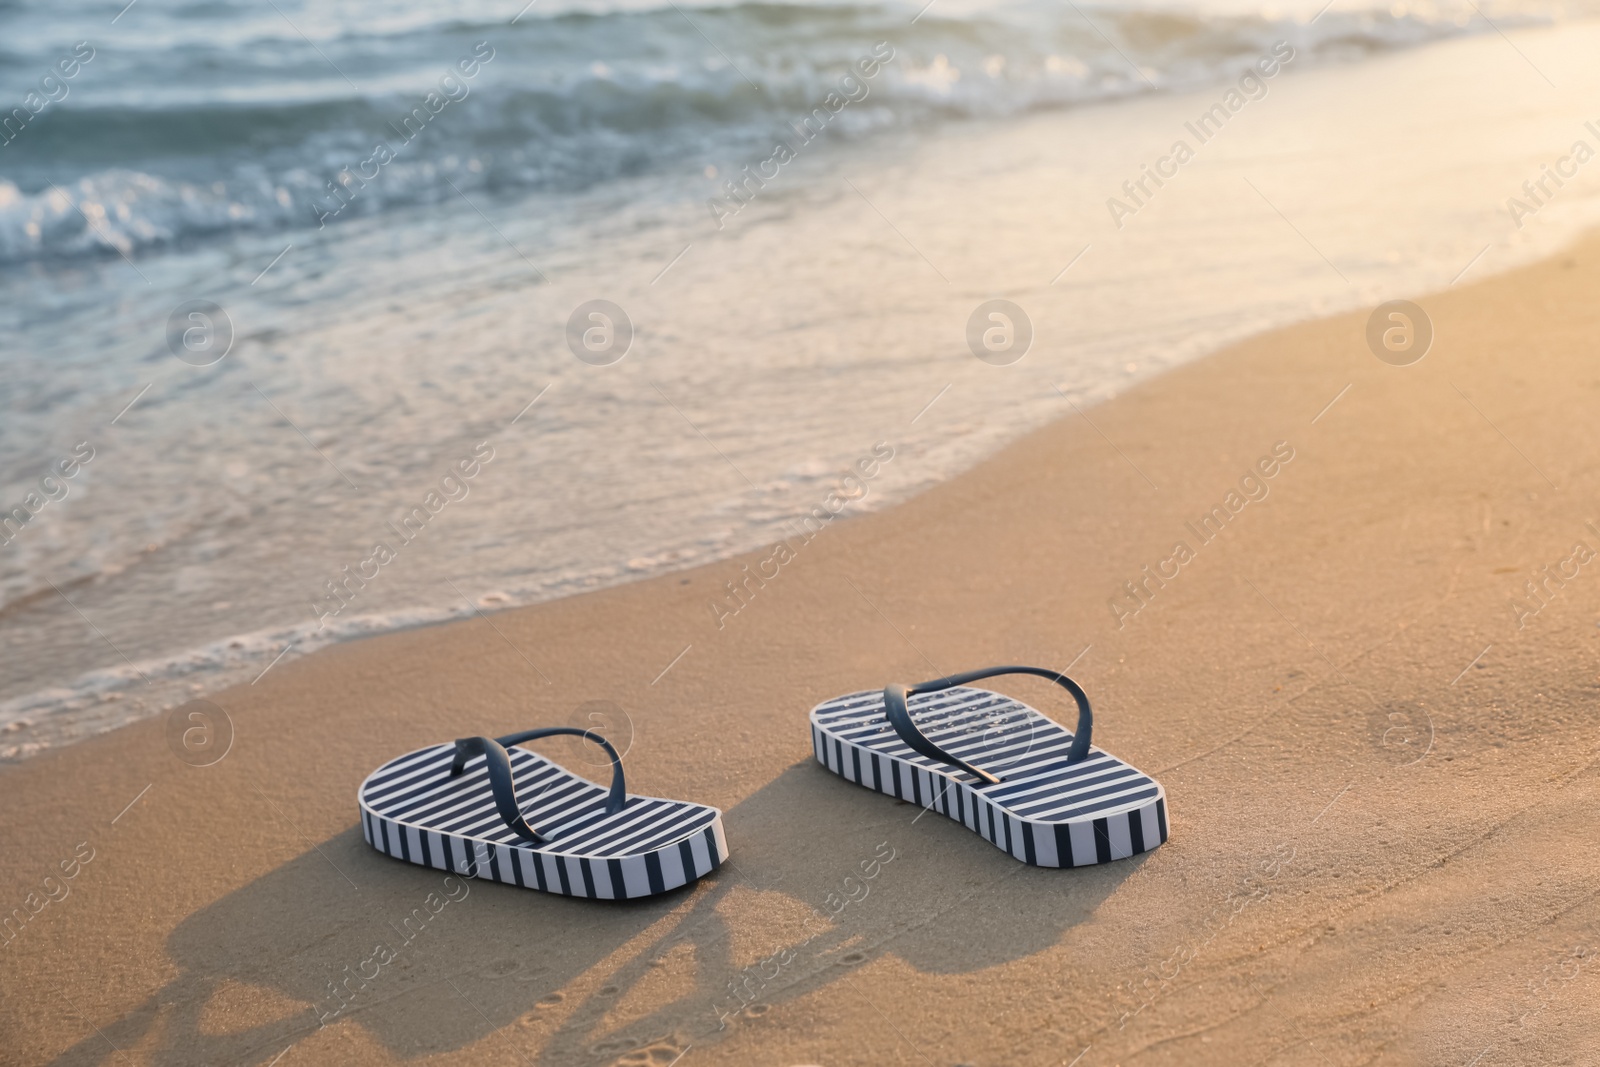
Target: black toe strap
[
  {"x": 498, "y": 763},
  {"x": 899, "y": 716}
]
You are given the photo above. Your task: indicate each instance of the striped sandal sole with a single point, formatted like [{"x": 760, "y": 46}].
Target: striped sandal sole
[
  {"x": 413, "y": 810},
  {"x": 1043, "y": 812}
]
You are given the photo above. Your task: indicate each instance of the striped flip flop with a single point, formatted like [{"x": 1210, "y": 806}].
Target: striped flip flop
[
  {"x": 1043, "y": 794},
  {"x": 456, "y": 807}
]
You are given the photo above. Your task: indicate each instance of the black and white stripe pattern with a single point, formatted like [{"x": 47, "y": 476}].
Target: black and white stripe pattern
[
  {"x": 413, "y": 810},
  {"x": 1043, "y": 812}
]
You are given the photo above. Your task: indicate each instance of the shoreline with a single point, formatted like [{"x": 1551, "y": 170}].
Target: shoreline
[
  {"x": 1112, "y": 307},
  {"x": 1372, "y": 812}
]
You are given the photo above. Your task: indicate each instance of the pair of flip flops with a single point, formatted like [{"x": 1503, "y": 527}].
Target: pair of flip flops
[{"x": 485, "y": 807}]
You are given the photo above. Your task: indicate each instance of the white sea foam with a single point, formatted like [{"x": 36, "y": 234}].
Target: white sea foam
[
  {"x": 134, "y": 160},
  {"x": 370, "y": 355}
]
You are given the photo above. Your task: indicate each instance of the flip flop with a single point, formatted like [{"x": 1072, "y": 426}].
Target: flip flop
[
  {"x": 1043, "y": 794},
  {"x": 455, "y": 807}
]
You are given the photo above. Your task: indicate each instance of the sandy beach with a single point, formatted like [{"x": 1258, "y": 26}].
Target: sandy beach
[{"x": 1378, "y": 747}]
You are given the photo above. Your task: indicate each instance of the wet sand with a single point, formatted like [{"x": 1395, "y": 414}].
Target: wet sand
[{"x": 1380, "y": 771}]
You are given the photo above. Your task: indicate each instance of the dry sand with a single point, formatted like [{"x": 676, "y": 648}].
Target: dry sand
[{"x": 1379, "y": 853}]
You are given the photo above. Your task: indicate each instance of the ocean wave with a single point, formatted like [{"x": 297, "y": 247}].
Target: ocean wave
[
  {"x": 112, "y": 696},
  {"x": 258, "y": 138}
]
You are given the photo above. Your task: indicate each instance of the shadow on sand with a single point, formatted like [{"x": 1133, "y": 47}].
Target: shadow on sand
[{"x": 570, "y": 981}]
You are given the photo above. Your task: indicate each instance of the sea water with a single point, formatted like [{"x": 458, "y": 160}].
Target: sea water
[{"x": 392, "y": 220}]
